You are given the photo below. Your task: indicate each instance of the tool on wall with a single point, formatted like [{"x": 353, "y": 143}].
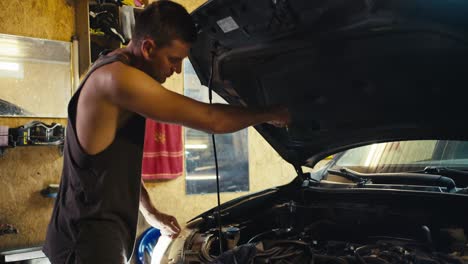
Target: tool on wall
[
  {"x": 117, "y": 2},
  {"x": 6, "y": 229},
  {"x": 51, "y": 191},
  {"x": 34, "y": 133},
  {"x": 105, "y": 19}
]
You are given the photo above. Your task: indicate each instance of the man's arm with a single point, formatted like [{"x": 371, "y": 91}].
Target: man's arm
[
  {"x": 134, "y": 90},
  {"x": 167, "y": 224}
]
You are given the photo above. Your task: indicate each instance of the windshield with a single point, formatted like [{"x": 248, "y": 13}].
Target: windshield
[{"x": 405, "y": 156}]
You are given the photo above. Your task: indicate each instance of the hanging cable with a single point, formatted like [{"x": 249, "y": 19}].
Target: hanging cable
[{"x": 218, "y": 209}]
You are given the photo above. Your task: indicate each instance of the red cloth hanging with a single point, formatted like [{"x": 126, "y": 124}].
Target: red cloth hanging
[{"x": 163, "y": 153}]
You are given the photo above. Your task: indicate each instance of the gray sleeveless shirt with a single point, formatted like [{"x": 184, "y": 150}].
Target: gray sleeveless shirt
[{"x": 96, "y": 210}]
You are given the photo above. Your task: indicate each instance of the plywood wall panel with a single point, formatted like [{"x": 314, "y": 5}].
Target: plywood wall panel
[
  {"x": 24, "y": 171},
  {"x": 48, "y": 19}
]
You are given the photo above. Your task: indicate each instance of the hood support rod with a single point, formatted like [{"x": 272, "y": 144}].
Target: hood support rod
[
  {"x": 218, "y": 209},
  {"x": 300, "y": 172}
]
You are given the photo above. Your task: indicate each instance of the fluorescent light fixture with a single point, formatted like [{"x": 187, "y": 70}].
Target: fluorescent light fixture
[
  {"x": 196, "y": 146},
  {"x": 9, "y": 66},
  {"x": 9, "y": 47},
  {"x": 11, "y": 70},
  {"x": 9, "y": 51},
  {"x": 200, "y": 177}
]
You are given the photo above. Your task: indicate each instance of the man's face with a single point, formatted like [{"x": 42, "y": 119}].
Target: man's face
[{"x": 164, "y": 61}]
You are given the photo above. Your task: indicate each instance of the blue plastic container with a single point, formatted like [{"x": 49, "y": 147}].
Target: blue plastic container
[{"x": 146, "y": 243}]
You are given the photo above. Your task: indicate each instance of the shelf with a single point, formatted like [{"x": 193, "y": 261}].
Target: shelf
[{"x": 91, "y": 45}]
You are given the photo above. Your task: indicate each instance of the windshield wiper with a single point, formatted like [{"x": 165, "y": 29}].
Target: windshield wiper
[
  {"x": 350, "y": 175},
  {"x": 444, "y": 171},
  {"x": 409, "y": 178}
]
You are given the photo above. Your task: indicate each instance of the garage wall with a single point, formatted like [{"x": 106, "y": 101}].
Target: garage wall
[
  {"x": 49, "y": 19},
  {"x": 25, "y": 171}
]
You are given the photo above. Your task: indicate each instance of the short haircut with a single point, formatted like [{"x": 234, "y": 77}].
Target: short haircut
[{"x": 165, "y": 21}]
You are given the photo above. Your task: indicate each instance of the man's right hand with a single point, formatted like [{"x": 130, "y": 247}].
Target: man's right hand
[{"x": 281, "y": 117}]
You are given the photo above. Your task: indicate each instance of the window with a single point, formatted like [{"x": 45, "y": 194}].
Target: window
[
  {"x": 406, "y": 156},
  {"x": 232, "y": 150}
]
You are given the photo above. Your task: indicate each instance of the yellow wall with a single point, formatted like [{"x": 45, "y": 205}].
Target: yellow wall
[
  {"x": 190, "y": 4},
  {"x": 25, "y": 171},
  {"x": 49, "y": 19}
]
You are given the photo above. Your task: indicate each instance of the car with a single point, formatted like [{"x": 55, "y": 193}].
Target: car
[
  {"x": 378, "y": 84},
  {"x": 10, "y": 109}
]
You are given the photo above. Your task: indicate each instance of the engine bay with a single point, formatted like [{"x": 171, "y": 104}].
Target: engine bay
[{"x": 325, "y": 233}]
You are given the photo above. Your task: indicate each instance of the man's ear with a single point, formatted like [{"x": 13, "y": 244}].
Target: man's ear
[{"x": 148, "y": 47}]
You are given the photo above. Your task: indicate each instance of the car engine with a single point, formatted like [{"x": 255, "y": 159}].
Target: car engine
[
  {"x": 278, "y": 246},
  {"x": 333, "y": 232}
]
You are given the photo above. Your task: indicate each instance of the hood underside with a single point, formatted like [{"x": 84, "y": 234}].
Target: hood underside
[{"x": 351, "y": 72}]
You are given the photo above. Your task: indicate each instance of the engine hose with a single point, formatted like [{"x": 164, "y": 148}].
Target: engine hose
[
  {"x": 367, "y": 259},
  {"x": 328, "y": 259},
  {"x": 442, "y": 258},
  {"x": 279, "y": 254},
  {"x": 295, "y": 242},
  {"x": 269, "y": 252},
  {"x": 261, "y": 234},
  {"x": 357, "y": 254},
  {"x": 394, "y": 257},
  {"x": 376, "y": 260},
  {"x": 287, "y": 255}
]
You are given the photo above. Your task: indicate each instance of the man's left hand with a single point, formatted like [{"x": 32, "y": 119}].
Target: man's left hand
[{"x": 167, "y": 224}]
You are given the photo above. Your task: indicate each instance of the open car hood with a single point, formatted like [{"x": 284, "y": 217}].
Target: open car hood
[{"x": 351, "y": 72}]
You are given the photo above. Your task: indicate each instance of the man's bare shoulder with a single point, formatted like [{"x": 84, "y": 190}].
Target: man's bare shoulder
[
  {"x": 113, "y": 76},
  {"x": 115, "y": 71}
]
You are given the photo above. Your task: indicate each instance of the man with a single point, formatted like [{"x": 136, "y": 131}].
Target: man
[{"x": 95, "y": 215}]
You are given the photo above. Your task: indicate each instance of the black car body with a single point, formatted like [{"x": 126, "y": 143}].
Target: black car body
[
  {"x": 9, "y": 109},
  {"x": 352, "y": 73}
]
